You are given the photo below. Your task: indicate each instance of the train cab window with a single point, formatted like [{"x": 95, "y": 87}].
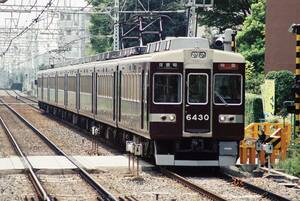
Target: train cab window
[
  {"x": 167, "y": 88},
  {"x": 197, "y": 88},
  {"x": 228, "y": 89}
]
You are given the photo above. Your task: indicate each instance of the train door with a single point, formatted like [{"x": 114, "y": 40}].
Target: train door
[
  {"x": 119, "y": 96},
  {"x": 197, "y": 110},
  {"x": 115, "y": 92}
]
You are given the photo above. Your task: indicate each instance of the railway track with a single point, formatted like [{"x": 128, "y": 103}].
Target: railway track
[
  {"x": 102, "y": 192},
  {"x": 131, "y": 195},
  {"x": 29, "y": 101},
  {"x": 24, "y": 97},
  {"x": 231, "y": 180},
  {"x": 197, "y": 188},
  {"x": 252, "y": 188},
  {"x": 208, "y": 193},
  {"x": 42, "y": 194}
]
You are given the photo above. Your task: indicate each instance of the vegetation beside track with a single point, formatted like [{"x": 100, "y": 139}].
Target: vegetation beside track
[{"x": 292, "y": 164}]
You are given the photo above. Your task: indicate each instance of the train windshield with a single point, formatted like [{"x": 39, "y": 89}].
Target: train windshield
[
  {"x": 197, "y": 88},
  {"x": 167, "y": 88},
  {"x": 227, "y": 89}
]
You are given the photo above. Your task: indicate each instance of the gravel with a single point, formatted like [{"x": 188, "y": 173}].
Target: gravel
[
  {"x": 6, "y": 148},
  {"x": 67, "y": 187},
  {"x": 225, "y": 189},
  {"x": 148, "y": 186},
  {"x": 72, "y": 141},
  {"x": 15, "y": 187},
  {"x": 28, "y": 141},
  {"x": 273, "y": 186}
]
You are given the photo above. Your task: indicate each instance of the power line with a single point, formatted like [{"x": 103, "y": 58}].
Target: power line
[
  {"x": 34, "y": 21},
  {"x": 59, "y": 49}
]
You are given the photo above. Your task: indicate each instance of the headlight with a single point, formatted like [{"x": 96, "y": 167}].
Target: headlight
[
  {"x": 231, "y": 118},
  {"x": 172, "y": 117},
  {"x": 222, "y": 118}
]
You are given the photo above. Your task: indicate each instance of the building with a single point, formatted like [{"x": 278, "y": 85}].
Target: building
[
  {"x": 73, "y": 35},
  {"x": 280, "y": 44}
]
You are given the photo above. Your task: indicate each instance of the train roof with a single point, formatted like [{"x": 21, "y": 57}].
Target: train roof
[{"x": 173, "y": 50}]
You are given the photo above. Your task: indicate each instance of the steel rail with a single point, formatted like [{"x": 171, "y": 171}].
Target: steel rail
[
  {"x": 107, "y": 196},
  {"x": 255, "y": 189},
  {"x": 191, "y": 185},
  {"x": 30, "y": 99},
  {"x": 34, "y": 106},
  {"x": 34, "y": 179},
  {"x": 127, "y": 198},
  {"x": 31, "y": 105}
]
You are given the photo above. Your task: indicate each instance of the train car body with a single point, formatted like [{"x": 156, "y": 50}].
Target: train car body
[{"x": 185, "y": 104}]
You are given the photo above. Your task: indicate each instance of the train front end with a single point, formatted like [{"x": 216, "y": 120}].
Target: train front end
[{"x": 197, "y": 107}]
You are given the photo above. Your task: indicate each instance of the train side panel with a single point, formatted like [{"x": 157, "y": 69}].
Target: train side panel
[
  {"x": 131, "y": 99},
  {"x": 106, "y": 90},
  {"x": 71, "y": 90},
  {"x": 86, "y": 85},
  {"x": 61, "y": 89}
]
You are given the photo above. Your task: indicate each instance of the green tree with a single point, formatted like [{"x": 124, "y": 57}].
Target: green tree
[
  {"x": 251, "y": 40},
  {"x": 101, "y": 28},
  {"x": 226, "y": 14}
]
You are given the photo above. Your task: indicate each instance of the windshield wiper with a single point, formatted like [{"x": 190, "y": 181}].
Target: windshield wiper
[{"x": 221, "y": 98}]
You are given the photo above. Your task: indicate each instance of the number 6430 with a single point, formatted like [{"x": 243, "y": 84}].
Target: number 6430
[{"x": 197, "y": 117}]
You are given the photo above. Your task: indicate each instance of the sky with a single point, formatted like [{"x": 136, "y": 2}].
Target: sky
[
  {"x": 25, "y": 19},
  {"x": 21, "y": 20}
]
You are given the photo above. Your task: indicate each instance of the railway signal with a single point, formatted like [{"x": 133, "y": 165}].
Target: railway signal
[
  {"x": 295, "y": 29},
  {"x": 95, "y": 133},
  {"x": 134, "y": 151}
]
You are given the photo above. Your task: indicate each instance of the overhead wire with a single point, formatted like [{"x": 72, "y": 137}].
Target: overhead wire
[{"x": 34, "y": 21}]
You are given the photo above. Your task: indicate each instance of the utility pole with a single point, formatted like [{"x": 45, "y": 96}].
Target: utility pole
[
  {"x": 192, "y": 18},
  {"x": 116, "y": 19},
  {"x": 191, "y": 6}
]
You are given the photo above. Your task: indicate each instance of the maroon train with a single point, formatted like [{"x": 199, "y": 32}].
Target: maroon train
[{"x": 183, "y": 101}]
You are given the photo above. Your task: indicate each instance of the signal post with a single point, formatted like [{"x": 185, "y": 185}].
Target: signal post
[{"x": 295, "y": 28}]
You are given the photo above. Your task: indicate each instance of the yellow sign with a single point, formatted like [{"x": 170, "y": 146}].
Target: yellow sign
[{"x": 268, "y": 96}]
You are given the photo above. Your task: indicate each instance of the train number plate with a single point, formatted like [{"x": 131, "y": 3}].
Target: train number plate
[
  {"x": 197, "y": 117},
  {"x": 198, "y": 55}
]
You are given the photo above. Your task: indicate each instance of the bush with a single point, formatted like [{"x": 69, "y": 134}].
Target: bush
[
  {"x": 284, "y": 81},
  {"x": 252, "y": 85},
  {"x": 292, "y": 164},
  {"x": 253, "y": 108}
]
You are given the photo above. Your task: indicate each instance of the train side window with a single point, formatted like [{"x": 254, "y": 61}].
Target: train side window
[
  {"x": 167, "y": 88},
  {"x": 139, "y": 85},
  {"x": 197, "y": 88},
  {"x": 72, "y": 83},
  {"x": 123, "y": 80},
  {"x": 133, "y": 86},
  {"x": 61, "y": 83},
  {"x": 105, "y": 86},
  {"x": 110, "y": 85},
  {"x": 228, "y": 89}
]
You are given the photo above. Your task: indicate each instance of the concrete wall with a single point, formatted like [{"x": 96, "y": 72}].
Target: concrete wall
[{"x": 280, "y": 44}]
